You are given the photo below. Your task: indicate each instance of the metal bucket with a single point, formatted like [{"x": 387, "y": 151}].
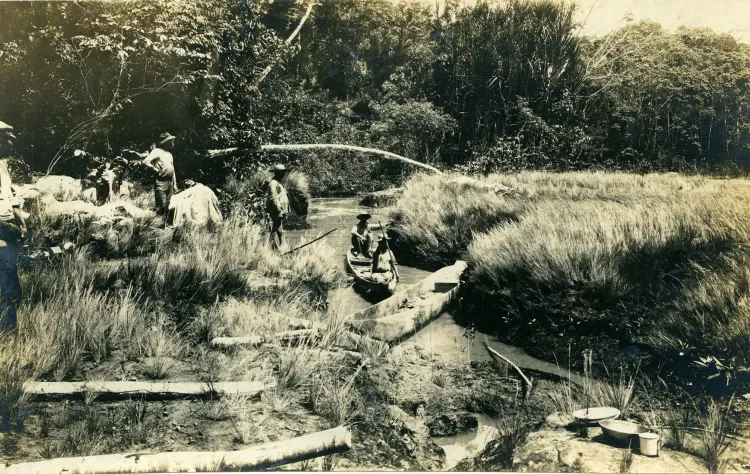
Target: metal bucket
[{"x": 649, "y": 444}]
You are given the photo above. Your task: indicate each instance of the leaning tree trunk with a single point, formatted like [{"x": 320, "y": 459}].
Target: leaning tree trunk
[
  {"x": 322, "y": 443},
  {"x": 328, "y": 146}
]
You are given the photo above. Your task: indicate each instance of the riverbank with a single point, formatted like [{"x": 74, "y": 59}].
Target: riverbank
[
  {"x": 420, "y": 406},
  {"x": 579, "y": 261}
]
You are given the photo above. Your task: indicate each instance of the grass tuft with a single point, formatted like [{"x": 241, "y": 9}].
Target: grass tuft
[{"x": 713, "y": 440}]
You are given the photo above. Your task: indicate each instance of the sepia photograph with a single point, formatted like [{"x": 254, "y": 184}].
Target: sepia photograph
[{"x": 374, "y": 235}]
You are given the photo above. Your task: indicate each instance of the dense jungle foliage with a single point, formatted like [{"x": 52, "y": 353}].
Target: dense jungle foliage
[{"x": 483, "y": 89}]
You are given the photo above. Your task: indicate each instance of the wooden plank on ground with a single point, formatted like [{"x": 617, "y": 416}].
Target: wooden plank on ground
[
  {"x": 158, "y": 390},
  {"x": 254, "y": 341},
  {"x": 322, "y": 443}
]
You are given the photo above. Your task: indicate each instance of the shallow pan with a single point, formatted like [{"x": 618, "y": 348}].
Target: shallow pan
[
  {"x": 622, "y": 430},
  {"x": 596, "y": 414}
]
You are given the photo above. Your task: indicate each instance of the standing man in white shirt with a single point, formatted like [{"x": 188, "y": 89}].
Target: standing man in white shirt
[{"x": 160, "y": 160}]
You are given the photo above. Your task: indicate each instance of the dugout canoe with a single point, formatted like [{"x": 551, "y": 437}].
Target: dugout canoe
[
  {"x": 411, "y": 308},
  {"x": 360, "y": 269}
]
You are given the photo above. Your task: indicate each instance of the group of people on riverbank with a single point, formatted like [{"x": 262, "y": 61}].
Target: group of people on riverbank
[{"x": 13, "y": 228}]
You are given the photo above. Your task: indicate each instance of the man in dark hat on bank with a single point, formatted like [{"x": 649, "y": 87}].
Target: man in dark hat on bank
[
  {"x": 277, "y": 205},
  {"x": 362, "y": 235},
  {"x": 160, "y": 160}
]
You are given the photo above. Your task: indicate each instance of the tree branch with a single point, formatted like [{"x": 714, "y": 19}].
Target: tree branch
[{"x": 289, "y": 40}]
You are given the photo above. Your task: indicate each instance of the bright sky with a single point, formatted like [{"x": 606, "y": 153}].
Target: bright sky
[{"x": 725, "y": 16}]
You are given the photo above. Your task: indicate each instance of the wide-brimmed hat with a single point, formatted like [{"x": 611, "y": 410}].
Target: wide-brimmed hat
[
  {"x": 363, "y": 216},
  {"x": 4, "y": 127},
  {"x": 278, "y": 168},
  {"x": 166, "y": 137}
]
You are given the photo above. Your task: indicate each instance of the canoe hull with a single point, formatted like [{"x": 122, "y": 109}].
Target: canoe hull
[
  {"x": 359, "y": 269},
  {"x": 407, "y": 311}
]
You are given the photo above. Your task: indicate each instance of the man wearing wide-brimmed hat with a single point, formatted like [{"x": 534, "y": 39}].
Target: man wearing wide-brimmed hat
[
  {"x": 362, "y": 235},
  {"x": 12, "y": 232},
  {"x": 160, "y": 159},
  {"x": 277, "y": 204}
]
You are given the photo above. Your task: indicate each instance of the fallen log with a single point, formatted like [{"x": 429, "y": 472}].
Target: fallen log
[
  {"x": 158, "y": 390},
  {"x": 254, "y": 341},
  {"x": 329, "y": 146},
  {"x": 322, "y": 443},
  {"x": 526, "y": 380}
]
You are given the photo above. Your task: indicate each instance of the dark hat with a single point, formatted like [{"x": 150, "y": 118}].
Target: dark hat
[
  {"x": 278, "y": 168},
  {"x": 165, "y": 137},
  {"x": 363, "y": 217}
]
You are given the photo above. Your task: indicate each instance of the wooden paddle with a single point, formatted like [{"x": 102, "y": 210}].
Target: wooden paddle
[{"x": 393, "y": 257}]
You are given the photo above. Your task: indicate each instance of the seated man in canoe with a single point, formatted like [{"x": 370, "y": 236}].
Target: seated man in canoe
[
  {"x": 362, "y": 236},
  {"x": 382, "y": 263}
]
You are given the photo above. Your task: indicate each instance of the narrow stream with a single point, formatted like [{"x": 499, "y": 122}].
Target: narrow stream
[{"x": 443, "y": 338}]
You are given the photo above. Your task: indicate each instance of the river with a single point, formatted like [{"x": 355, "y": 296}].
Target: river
[{"x": 443, "y": 338}]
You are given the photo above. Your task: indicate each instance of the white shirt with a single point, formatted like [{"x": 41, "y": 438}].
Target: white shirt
[
  {"x": 6, "y": 209},
  {"x": 163, "y": 161}
]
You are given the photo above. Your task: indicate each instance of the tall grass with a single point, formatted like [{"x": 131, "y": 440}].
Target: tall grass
[
  {"x": 206, "y": 265},
  {"x": 435, "y": 220},
  {"x": 713, "y": 313},
  {"x": 616, "y": 187},
  {"x": 512, "y": 433},
  {"x": 588, "y": 269},
  {"x": 13, "y": 373},
  {"x": 68, "y": 318},
  {"x": 596, "y": 258},
  {"x": 333, "y": 397}
]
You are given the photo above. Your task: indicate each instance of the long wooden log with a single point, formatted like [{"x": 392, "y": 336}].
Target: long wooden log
[
  {"x": 322, "y": 443},
  {"x": 328, "y": 146},
  {"x": 252, "y": 341},
  {"x": 158, "y": 390}
]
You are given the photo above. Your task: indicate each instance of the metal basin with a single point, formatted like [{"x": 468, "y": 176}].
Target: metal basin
[
  {"x": 622, "y": 430},
  {"x": 594, "y": 414}
]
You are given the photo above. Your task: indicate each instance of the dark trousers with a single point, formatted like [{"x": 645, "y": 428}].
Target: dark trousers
[
  {"x": 277, "y": 232},
  {"x": 163, "y": 195},
  {"x": 10, "y": 286},
  {"x": 362, "y": 246}
]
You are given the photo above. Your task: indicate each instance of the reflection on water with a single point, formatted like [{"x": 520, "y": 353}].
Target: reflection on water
[{"x": 469, "y": 444}]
